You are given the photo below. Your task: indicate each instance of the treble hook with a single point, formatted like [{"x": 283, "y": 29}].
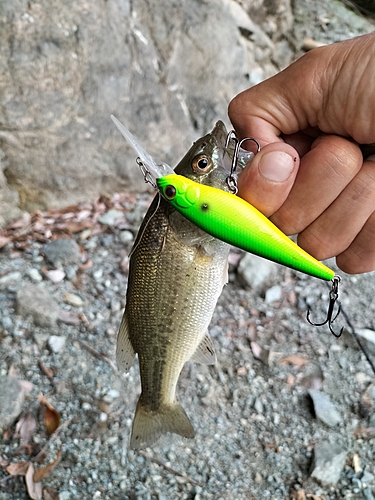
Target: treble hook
[{"x": 333, "y": 296}]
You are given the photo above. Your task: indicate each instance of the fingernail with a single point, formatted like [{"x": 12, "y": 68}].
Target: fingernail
[{"x": 277, "y": 166}]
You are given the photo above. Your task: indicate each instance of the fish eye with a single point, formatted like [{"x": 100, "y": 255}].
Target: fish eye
[
  {"x": 201, "y": 164},
  {"x": 170, "y": 192}
]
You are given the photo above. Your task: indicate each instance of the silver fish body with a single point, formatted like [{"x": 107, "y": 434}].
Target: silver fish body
[{"x": 176, "y": 276}]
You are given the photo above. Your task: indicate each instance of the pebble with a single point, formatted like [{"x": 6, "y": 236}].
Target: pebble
[
  {"x": 64, "y": 495},
  {"x": 254, "y": 271},
  {"x": 34, "y": 275},
  {"x": 62, "y": 252},
  {"x": 11, "y": 399},
  {"x": 329, "y": 460},
  {"x": 73, "y": 299},
  {"x": 111, "y": 217},
  {"x": 126, "y": 236},
  {"x": 36, "y": 301},
  {"x": 324, "y": 409},
  {"x": 273, "y": 294},
  {"x": 56, "y": 343},
  {"x": 6, "y": 322}
]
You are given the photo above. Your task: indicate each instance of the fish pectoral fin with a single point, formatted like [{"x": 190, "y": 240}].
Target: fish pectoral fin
[
  {"x": 205, "y": 352},
  {"x": 148, "y": 426},
  {"x": 125, "y": 353}
]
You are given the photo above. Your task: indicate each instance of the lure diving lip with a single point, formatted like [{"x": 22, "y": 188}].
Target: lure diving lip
[{"x": 231, "y": 219}]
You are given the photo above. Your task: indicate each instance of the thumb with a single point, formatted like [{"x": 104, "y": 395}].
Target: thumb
[{"x": 266, "y": 182}]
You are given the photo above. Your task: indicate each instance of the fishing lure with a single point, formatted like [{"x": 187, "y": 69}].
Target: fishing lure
[{"x": 231, "y": 219}]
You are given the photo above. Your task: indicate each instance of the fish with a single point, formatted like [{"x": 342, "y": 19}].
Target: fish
[{"x": 176, "y": 274}]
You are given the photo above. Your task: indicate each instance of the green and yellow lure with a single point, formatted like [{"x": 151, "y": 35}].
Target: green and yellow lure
[{"x": 231, "y": 219}]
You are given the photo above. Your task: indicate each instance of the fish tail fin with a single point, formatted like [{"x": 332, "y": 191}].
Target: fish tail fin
[{"x": 149, "y": 425}]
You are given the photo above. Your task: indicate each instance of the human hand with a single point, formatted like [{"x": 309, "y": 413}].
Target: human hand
[{"x": 310, "y": 176}]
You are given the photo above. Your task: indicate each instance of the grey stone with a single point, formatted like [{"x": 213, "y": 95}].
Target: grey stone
[
  {"x": 367, "y": 495},
  {"x": 254, "y": 271},
  {"x": 126, "y": 236},
  {"x": 164, "y": 71},
  {"x": 273, "y": 294},
  {"x": 63, "y": 251},
  {"x": 111, "y": 217},
  {"x": 6, "y": 322},
  {"x": 11, "y": 399},
  {"x": 9, "y": 279},
  {"x": 324, "y": 409},
  {"x": 329, "y": 460},
  {"x": 56, "y": 343},
  {"x": 34, "y": 275},
  {"x": 36, "y": 301}
]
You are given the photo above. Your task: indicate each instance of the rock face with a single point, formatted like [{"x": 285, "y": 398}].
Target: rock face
[{"x": 166, "y": 69}]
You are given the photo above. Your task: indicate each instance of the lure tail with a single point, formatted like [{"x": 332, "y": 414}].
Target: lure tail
[{"x": 149, "y": 425}]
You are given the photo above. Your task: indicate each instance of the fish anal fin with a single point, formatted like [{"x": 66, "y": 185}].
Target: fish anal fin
[
  {"x": 149, "y": 425},
  {"x": 205, "y": 352},
  {"x": 125, "y": 353}
]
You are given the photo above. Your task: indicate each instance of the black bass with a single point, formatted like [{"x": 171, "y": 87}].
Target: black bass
[{"x": 176, "y": 275}]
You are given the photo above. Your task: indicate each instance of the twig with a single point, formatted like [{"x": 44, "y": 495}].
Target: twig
[
  {"x": 169, "y": 469},
  {"x": 99, "y": 355},
  {"x": 34, "y": 459}
]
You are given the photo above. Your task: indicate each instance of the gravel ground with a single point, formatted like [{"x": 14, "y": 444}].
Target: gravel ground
[
  {"x": 256, "y": 425},
  {"x": 266, "y": 427}
]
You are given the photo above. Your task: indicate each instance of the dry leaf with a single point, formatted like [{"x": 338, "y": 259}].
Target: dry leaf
[
  {"x": 50, "y": 494},
  {"x": 33, "y": 489},
  {"x": 294, "y": 360},
  {"x": 45, "y": 370},
  {"x": 25, "y": 427},
  {"x": 314, "y": 497},
  {"x": 43, "y": 472},
  {"x": 3, "y": 462},
  {"x": 260, "y": 353},
  {"x": 17, "y": 469},
  {"x": 51, "y": 416}
]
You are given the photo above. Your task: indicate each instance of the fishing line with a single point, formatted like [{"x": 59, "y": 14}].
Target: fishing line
[{"x": 357, "y": 338}]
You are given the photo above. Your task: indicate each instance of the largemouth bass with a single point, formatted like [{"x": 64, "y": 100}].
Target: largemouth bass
[{"x": 176, "y": 275}]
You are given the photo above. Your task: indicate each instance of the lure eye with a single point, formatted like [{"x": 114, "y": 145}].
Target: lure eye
[
  {"x": 170, "y": 192},
  {"x": 201, "y": 164}
]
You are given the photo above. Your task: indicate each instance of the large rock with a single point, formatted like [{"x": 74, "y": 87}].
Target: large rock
[{"x": 167, "y": 69}]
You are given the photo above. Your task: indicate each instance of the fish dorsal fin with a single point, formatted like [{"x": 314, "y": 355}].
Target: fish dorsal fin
[
  {"x": 205, "y": 352},
  {"x": 125, "y": 353}
]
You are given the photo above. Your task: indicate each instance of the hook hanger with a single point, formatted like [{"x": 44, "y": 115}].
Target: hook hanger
[
  {"x": 231, "y": 179},
  {"x": 333, "y": 296}
]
